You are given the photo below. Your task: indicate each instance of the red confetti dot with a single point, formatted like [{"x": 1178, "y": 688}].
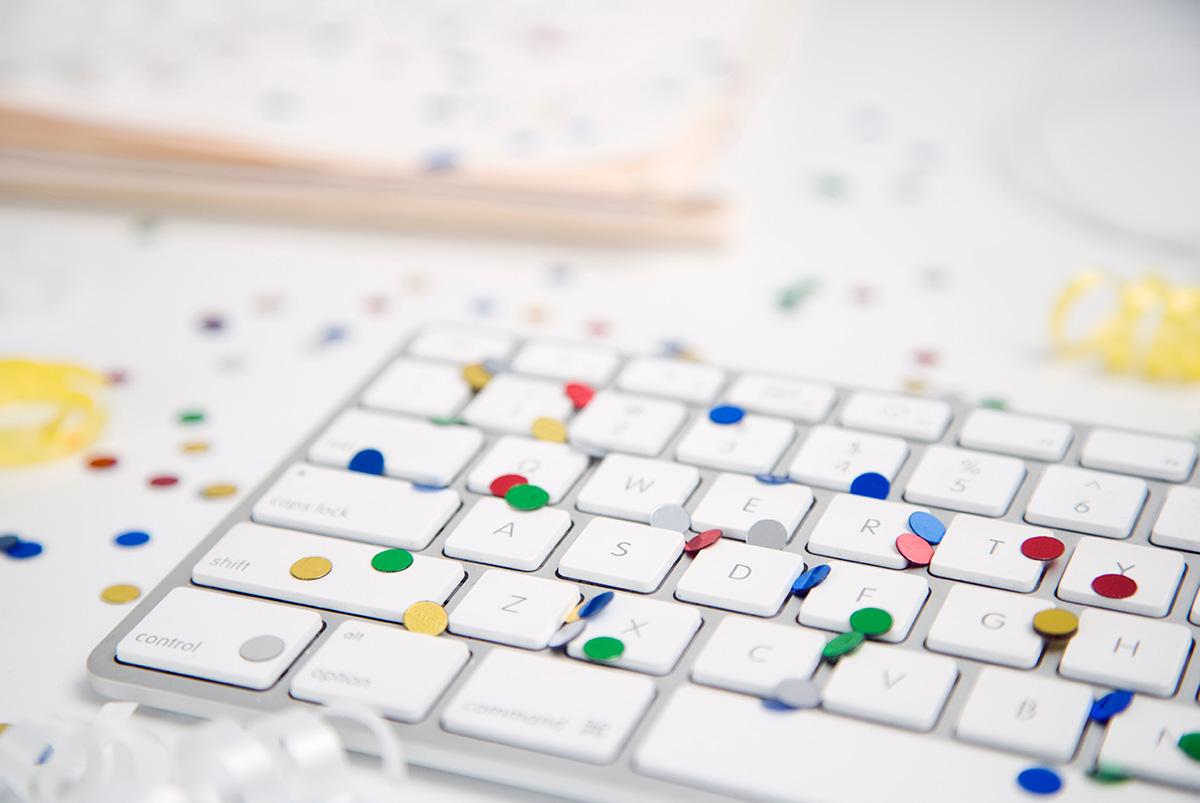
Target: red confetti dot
[
  {"x": 597, "y": 328},
  {"x": 1042, "y": 547},
  {"x": 915, "y": 549},
  {"x": 101, "y": 461},
  {"x": 501, "y": 485},
  {"x": 579, "y": 394},
  {"x": 702, "y": 540},
  {"x": 925, "y": 357},
  {"x": 1114, "y": 586},
  {"x": 116, "y": 377},
  {"x": 163, "y": 480}
]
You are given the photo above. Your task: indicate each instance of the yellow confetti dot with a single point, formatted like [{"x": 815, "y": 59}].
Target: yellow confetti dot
[
  {"x": 3, "y": 727},
  {"x": 313, "y": 567},
  {"x": 476, "y": 376},
  {"x": 218, "y": 490},
  {"x": 549, "y": 429},
  {"x": 120, "y": 593},
  {"x": 193, "y": 447},
  {"x": 573, "y": 616},
  {"x": 1055, "y": 623},
  {"x": 426, "y": 617}
]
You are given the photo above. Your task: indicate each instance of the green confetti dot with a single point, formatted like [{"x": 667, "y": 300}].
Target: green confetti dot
[
  {"x": 871, "y": 621},
  {"x": 1189, "y": 743},
  {"x": 526, "y": 497},
  {"x": 1107, "y": 775},
  {"x": 443, "y": 421},
  {"x": 191, "y": 417},
  {"x": 842, "y": 644},
  {"x": 392, "y": 560},
  {"x": 994, "y": 404},
  {"x": 603, "y": 648}
]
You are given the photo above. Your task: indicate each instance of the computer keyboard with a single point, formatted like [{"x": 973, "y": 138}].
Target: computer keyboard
[{"x": 672, "y": 689}]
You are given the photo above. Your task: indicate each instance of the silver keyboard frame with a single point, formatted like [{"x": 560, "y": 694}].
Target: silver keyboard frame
[{"x": 427, "y": 744}]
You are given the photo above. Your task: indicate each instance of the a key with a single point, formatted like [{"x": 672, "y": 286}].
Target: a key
[
  {"x": 1194, "y": 614},
  {"x": 228, "y": 639},
  {"x": 832, "y": 457},
  {"x": 1016, "y": 435},
  {"x": 633, "y": 487},
  {"x": 988, "y": 625},
  {"x": 511, "y": 403},
  {"x": 988, "y": 552},
  {"x": 514, "y": 609},
  {"x": 412, "y": 450},
  {"x": 552, "y": 466},
  {"x": 673, "y": 379},
  {"x": 1143, "y": 742},
  {"x": 1157, "y": 573},
  {"x": 752, "y": 446},
  {"x": 563, "y": 708},
  {"x": 752, "y": 656},
  {"x": 1135, "y": 453},
  {"x": 570, "y": 362},
  {"x": 419, "y": 388},
  {"x": 849, "y": 587},
  {"x": 1127, "y": 652},
  {"x": 781, "y": 396},
  {"x": 622, "y": 554},
  {"x": 1178, "y": 524},
  {"x": 972, "y": 482},
  {"x": 891, "y": 414},
  {"x": 461, "y": 346},
  {"x": 493, "y": 532},
  {"x": 623, "y": 422},
  {"x": 349, "y": 504},
  {"x": 740, "y": 577},
  {"x": 401, "y": 674},
  {"x": 862, "y": 529},
  {"x": 890, "y": 685},
  {"x": 655, "y": 633},
  {"x": 734, "y": 503},
  {"x": 1087, "y": 501},
  {"x": 1025, "y": 713},
  {"x": 259, "y": 560}
]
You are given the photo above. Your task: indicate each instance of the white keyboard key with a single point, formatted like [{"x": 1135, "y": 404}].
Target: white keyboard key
[
  {"x": 570, "y": 362},
  {"x": 972, "y": 482},
  {"x": 399, "y": 673},
  {"x": 461, "y": 346},
  {"x": 633, "y": 487},
  {"x": 655, "y": 633},
  {"x": 890, "y": 685},
  {"x": 1157, "y": 573},
  {"x": 752, "y": 656},
  {"x": 218, "y": 637},
  {"x": 554, "y": 467},
  {"x": 624, "y": 423},
  {"x": 511, "y": 403},
  {"x": 734, "y": 503},
  {"x": 412, "y": 450},
  {"x": 1178, "y": 524},
  {"x": 553, "y": 706},
  {"x": 514, "y": 609},
  {"x": 254, "y": 559},
  {"x": 832, "y": 457},
  {"x": 1143, "y": 742},
  {"x": 752, "y": 446},
  {"x": 1087, "y": 501},
  {"x": 777, "y": 395},
  {"x": 1133, "y": 453},
  {"x": 740, "y": 577},
  {"x": 349, "y": 504},
  {"x": 622, "y": 554},
  {"x": 674, "y": 379},
  {"x": 1024, "y": 713},
  {"x": 849, "y": 587},
  {"x": 892, "y": 414},
  {"x": 988, "y": 625},
  {"x": 1017, "y": 435},
  {"x": 420, "y": 388},
  {"x": 988, "y": 552},
  {"x": 493, "y": 532},
  {"x": 1127, "y": 652},
  {"x": 1194, "y": 614},
  {"x": 862, "y": 529}
]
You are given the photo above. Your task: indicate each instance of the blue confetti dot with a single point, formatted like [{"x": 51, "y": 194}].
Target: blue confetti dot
[
  {"x": 1039, "y": 781},
  {"x": 46, "y": 754},
  {"x": 494, "y": 366},
  {"x": 1110, "y": 705},
  {"x": 773, "y": 479},
  {"x": 776, "y": 705},
  {"x": 7, "y": 540},
  {"x": 333, "y": 333},
  {"x": 928, "y": 526},
  {"x": 441, "y": 161},
  {"x": 596, "y": 604},
  {"x": 132, "y": 538},
  {"x": 424, "y": 487},
  {"x": 24, "y": 549},
  {"x": 368, "y": 461},
  {"x": 871, "y": 484},
  {"x": 726, "y": 414},
  {"x": 810, "y": 579}
]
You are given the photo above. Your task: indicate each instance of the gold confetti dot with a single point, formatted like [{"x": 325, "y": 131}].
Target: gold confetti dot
[
  {"x": 426, "y": 617},
  {"x": 1055, "y": 623},
  {"x": 313, "y": 567},
  {"x": 476, "y": 376},
  {"x": 3, "y": 727},
  {"x": 549, "y": 429},
  {"x": 120, "y": 593},
  {"x": 573, "y": 616},
  {"x": 193, "y": 447},
  {"x": 218, "y": 490}
]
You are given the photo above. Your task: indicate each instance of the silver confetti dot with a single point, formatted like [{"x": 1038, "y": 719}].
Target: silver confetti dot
[
  {"x": 566, "y": 633},
  {"x": 671, "y": 517},
  {"x": 767, "y": 533},
  {"x": 261, "y": 648},
  {"x": 798, "y": 693}
]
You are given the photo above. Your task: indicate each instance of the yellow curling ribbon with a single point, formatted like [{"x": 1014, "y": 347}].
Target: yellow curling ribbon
[
  {"x": 47, "y": 410},
  {"x": 1149, "y": 327}
]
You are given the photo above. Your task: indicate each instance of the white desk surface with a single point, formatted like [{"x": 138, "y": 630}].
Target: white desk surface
[{"x": 951, "y": 260}]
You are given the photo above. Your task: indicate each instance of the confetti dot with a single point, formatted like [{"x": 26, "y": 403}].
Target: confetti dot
[
  {"x": 993, "y": 404},
  {"x": 313, "y": 567},
  {"x": 131, "y": 538},
  {"x": 194, "y": 447},
  {"x": 120, "y": 593},
  {"x": 810, "y": 579},
  {"x": 597, "y": 328},
  {"x": 191, "y": 417},
  {"x": 375, "y": 304},
  {"x": 791, "y": 296},
  {"x": 333, "y": 333},
  {"x": 1111, "y": 704},
  {"x": 1107, "y": 775},
  {"x": 447, "y": 421},
  {"x": 596, "y": 604},
  {"x": 116, "y": 377},
  {"x": 494, "y": 366},
  {"x": 501, "y": 485},
  {"x": 579, "y": 394},
  {"x": 603, "y": 648},
  {"x": 476, "y": 376},
  {"x": 526, "y": 497},
  {"x": 1042, "y": 547},
  {"x": 671, "y": 516},
  {"x": 212, "y": 322},
  {"x": 1055, "y": 623},
  {"x": 218, "y": 490},
  {"x": 773, "y": 479},
  {"x": 915, "y": 549},
  {"x": 767, "y": 533},
  {"x": 566, "y": 634},
  {"x": 392, "y": 560},
  {"x": 1039, "y": 781},
  {"x": 871, "y": 484},
  {"x": 549, "y": 429},
  {"x": 426, "y": 617},
  {"x": 798, "y": 693},
  {"x": 726, "y": 414},
  {"x": 367, "y": 461},
  {"x": 101, "y": 462},
  {"x": 424, "y": 487},
  {"x": 928, "y": 526},
  {"x": 23, "y": 550},
  {"x": 871, "y": 621},
  {"x": 8, "y": 540},
  {"x": 261, "y": 648},
  {"x": 1189, "y": 743},
  {"x": 925, "y": 357},
  {"x": 573, "y": 616},
  {"x": 842, "y": 644},
  {"x": 1114, "y": 586},
  {"x": 163, "y": 481},
  {"x": 702, "y": 540}
]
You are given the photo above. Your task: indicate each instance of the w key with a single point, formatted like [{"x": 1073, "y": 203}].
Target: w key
[{"x": 633, "y": 487}]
